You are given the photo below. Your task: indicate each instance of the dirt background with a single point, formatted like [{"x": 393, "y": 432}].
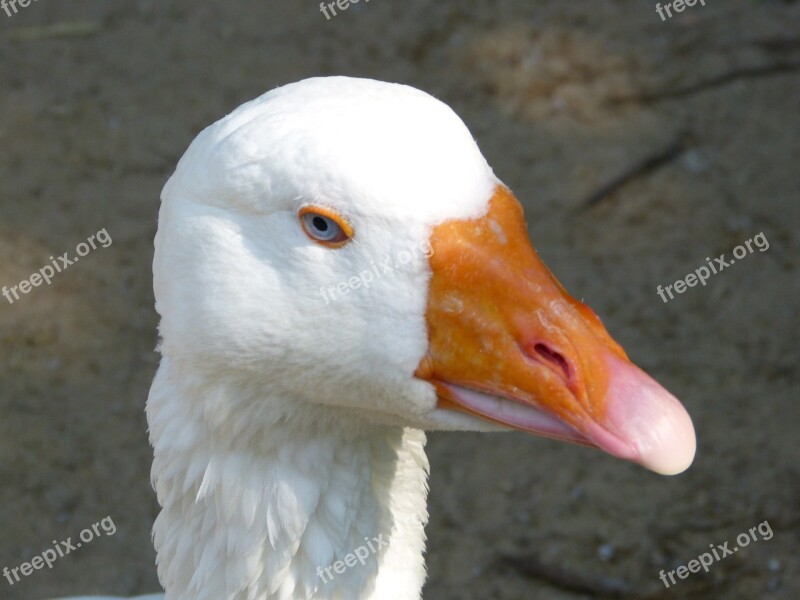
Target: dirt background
[{"x": 99, "y": 99}]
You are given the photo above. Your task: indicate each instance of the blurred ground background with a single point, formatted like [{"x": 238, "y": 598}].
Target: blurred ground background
[{"x": 99, "y": 99}]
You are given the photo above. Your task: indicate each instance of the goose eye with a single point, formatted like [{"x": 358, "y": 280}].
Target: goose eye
[
  {"x": 325, "y": 226},
  {"x": 321, "y": 227}
]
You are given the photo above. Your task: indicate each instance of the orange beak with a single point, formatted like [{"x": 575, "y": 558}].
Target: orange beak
[{"x": 508, "y": 344}]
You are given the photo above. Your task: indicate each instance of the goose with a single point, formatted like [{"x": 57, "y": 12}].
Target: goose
[{"x": 337, "y": 270}]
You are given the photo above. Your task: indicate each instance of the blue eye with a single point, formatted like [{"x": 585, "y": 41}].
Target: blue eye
[
  {"x": 322, "y": 228},
  {"x": 325, "y": 226}
]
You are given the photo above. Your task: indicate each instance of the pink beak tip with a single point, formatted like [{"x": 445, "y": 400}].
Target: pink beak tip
[{"x": 649, "y": 420}]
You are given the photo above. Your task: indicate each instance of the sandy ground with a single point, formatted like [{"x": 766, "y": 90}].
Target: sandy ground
[{"x": 563, "y": 98}]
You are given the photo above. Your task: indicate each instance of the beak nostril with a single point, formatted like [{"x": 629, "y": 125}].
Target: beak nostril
[{"x": 553, "y": 358}]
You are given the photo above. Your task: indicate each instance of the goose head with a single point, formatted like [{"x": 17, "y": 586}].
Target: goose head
[{"x": 344, "y": 243}]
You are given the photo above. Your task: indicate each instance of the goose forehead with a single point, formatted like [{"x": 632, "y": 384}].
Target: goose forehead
[{"x": 367, "y": 147}]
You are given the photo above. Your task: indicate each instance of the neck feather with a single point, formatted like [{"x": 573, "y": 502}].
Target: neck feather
[{"x": 264, "y": 506}]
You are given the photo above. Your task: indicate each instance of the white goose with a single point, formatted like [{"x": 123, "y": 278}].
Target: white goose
[{"x": 299, "y": 371}]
